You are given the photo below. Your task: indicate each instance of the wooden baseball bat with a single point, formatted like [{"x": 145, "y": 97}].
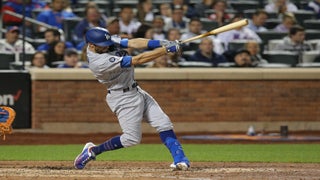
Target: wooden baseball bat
[{"x": 221, "y": 29}]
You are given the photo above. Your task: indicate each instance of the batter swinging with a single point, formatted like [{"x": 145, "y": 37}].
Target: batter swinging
[{"x": 113, "y": 67}]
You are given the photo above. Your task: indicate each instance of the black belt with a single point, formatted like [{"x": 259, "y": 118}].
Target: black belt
[{"x": 134, "y": 85}]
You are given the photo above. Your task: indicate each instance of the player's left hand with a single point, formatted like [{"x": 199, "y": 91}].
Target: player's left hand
[
  {"x": 174, "y": 47},
  {"x": 116, "y": 39}
]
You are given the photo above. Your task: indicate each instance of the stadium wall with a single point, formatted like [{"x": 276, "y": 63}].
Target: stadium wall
[{"x": 197, "y": 100}]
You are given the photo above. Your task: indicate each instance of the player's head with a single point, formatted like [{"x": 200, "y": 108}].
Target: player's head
[{"x": 99, "y": 37}]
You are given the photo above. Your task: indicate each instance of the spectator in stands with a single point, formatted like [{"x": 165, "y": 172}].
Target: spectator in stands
[
  {"x": 258, "y": 20},
  {"x": 280, "y": 7},
  {"x": 194, "y": 29},
  {"x": 158, "y": 27},
  {"x": 39, "y": 60},
  {"x": 166, "y": 12},
  {"x": 186, "y": 7},
  {"x": 71, "y": 4},
  {"x": 205, "y": 53},
  {"x": 128, "y": 23},
  {"x": 241, "y": 58},
  {"x": 178, "y": 20},
  {"x": 12, "y": 44},
  {"x": 144, "y": 31},
  {"x": 92, "y": 18},
  {"x": 288, "y": 20},
  {"x": 71, "y": 60},
  {"x": 220, "y": 15},
  {"x": 144, "y": 11},
  {"x": 241, "y": 33},
  {"x": 16, "y": 6},
  {"x": 314, "y": 5},
  {"x": 113, "y": 27},
  {"x": 202, "y": 7},
  {"x": 55, "y": 15},
  {"x": 95, "y": 4},
  {"x": 295, "y": 41},
  {"x": 52, "y": 35},
  {"x": 172, "y": 35},
  {"x": 55, "y": 53},
  {"x": 254, "y": 49}
]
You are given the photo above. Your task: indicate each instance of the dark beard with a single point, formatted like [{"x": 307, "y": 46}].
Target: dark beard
[{"x": 99, "y": 51}]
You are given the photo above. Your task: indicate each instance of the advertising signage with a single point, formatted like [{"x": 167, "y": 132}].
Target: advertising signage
[{"x": 15, "y": 92}]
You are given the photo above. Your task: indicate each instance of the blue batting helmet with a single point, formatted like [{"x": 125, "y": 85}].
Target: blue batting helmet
[{"x": 99, "y": 36}]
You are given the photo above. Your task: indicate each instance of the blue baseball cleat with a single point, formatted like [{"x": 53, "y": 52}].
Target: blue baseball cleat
[
  {"x": 84, "y": 157},
  {"x": 182, "y": 166}
]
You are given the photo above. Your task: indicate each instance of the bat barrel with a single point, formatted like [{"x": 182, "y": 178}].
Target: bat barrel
[{"x": 221, "y": 29}]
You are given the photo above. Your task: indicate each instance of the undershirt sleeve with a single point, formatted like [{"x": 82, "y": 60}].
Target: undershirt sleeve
[{"x": 126, "y": 61}]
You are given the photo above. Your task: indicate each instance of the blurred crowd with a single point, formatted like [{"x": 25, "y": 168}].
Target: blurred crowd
[{"x": 65, "y": 47}]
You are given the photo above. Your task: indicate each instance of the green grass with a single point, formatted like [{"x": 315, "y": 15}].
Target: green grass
[{"x": 301, "y": 153}]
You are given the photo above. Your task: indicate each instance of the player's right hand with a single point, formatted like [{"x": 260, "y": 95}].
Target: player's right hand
[{"x": 167, "y": 43}]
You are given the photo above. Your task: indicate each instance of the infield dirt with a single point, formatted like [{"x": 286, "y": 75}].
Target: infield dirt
[
  {"x": 141, "y": 170},
  {"x": 150, "y": 170}
]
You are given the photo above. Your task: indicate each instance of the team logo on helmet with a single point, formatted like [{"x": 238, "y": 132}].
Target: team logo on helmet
[
  {"x": 107, "y": 36},
  {"x": 112, "y": 59}
]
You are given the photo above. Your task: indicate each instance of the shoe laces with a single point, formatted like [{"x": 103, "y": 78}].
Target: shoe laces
[{"x": 90, "y": 156}]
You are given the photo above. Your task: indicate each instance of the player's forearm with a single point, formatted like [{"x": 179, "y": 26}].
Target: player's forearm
[
  {"x": 148, "y": 56},
  {"x": 138, "y": 43}
]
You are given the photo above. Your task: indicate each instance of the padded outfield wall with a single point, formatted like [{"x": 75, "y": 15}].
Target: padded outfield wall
[{"x": 197, "y": 100}]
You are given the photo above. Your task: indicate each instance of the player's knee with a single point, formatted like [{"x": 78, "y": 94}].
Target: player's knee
[
  {"x": 167, "y": 125},
  {"x": 130, "y": 140}
]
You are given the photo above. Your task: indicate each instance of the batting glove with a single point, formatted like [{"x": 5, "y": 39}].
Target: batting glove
[
  {"x": 116, "y": 39},
  {"x": 167, "y": 44},
  {"x": 175, "y": 48}
]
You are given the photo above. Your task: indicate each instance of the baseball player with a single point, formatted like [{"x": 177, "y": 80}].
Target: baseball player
[{"x": 113, "y": 67}]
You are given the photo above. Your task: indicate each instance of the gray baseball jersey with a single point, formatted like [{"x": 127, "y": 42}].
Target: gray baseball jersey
[{"x": 131, "y": 104}]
